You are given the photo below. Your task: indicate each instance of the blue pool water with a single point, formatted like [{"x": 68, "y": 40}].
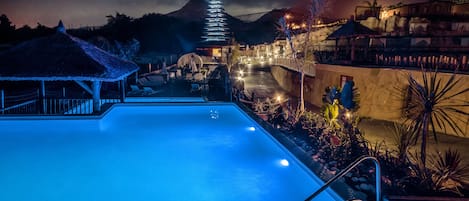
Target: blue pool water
[{"x": 147, "y": 153}]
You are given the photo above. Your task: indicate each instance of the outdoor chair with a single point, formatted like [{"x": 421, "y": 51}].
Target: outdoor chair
[
  {"x": 148, "y": 91},
  {"x": 155, "y": 80},
  {"x": 134, "y": 88}
]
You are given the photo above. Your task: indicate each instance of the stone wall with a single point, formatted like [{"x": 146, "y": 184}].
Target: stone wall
[{"x": 380, "y": 88}]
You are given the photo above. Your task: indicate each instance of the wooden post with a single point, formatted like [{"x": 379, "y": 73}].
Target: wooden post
[
  {"x": 352, "y": 50},
  {"x": 42, "y": 96},
  {"x": 2, "y": 99},
  {"x": 96, "y": 96},
  {"x": 463, "y": 62},
  {"x": 122, "y": 90},
  {"x": 336, "y": 49}
]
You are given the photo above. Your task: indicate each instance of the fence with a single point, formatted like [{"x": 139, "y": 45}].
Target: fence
[
  {"x": 443, "y": 62},
  {"x": 27, "y": 107},
  {"x": 18, "y": 103},
  {"x": 73, "y": 106},
  {"x": 30, "y": 103},
  {"x": 308, "y": 66},
  {"x": 411, "y": 58}
]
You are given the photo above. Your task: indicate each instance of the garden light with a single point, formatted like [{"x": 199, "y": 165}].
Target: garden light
[
  {"x": 348, "y": 115},
  {"x": 279, "y": 98}
]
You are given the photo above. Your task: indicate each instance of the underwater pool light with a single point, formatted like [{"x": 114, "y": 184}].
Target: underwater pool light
[{"x": 284, "y": 162}]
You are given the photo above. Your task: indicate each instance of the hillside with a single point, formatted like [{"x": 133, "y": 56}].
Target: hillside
[{"x": 176, "y": 32}]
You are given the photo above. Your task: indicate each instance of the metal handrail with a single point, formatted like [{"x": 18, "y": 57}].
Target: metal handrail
[{"x": 348, "y": 169}]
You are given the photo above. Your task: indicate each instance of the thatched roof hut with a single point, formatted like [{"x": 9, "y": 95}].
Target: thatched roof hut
[
  {"x": 62, "y": 57},
  {"x": 352, "y": 29}
]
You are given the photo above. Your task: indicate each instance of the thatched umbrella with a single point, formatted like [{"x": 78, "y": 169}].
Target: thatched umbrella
[
  {"x": 351, "y": 30},
  {"x": 188, "y": 58},
  {"x": 62, "y": 57}
]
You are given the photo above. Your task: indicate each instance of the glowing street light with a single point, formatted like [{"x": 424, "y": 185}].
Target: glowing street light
[{"x": 279, "y": 98}]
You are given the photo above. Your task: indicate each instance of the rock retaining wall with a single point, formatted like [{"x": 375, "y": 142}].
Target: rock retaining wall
[{"x": 380, "y": 88}]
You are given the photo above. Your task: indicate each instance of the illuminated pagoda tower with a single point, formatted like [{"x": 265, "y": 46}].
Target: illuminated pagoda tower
[{"x": 215, "y": 23}]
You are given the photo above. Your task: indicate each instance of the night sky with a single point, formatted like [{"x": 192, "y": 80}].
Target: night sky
[{"x": 77, "y": 13}]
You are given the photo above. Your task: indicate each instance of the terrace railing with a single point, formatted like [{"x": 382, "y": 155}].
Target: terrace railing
[
  {"x": 446, "y": 59},
  {"x": 308, "y": 66},
  {"x": 18, "y": 103},
  {"x": 73, "y": 106},
  {"x": 27, "y": 107},
  {"x": 55, "y": 106}
]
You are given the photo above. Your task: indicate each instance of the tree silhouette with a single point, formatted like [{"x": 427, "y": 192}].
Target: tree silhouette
[
  {"x": 7, "y": 29},
  {"x": 118, "y": 27}
]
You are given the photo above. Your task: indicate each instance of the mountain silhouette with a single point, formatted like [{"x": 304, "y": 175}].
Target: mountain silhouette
[
  {"x": 193, "y": 10},
  {"x": 176, "y": 32}
]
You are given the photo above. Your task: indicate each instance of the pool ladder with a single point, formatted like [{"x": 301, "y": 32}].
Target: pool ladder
[{"x": 348, "y": 169}]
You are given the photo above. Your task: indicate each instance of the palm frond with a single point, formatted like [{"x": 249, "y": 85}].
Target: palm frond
[
  {"x": 432, "y": 104},
  {"x": 448, "y": 86},
  {"x": 452, "y": 123},
  {"x": 448, "y": 171},
  {"x": 438, "y": 119},
  {"x": 455, "y": 94}
]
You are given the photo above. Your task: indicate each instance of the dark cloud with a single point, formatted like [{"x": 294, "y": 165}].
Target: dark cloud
[
  {"x": 258, "y": 3},
  {"x": 93, "y": 12}
]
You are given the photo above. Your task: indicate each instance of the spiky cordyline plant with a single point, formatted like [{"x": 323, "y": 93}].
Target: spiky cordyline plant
[
  {"x": 448, "y": 171},
  {"x": 403, "y": 139},
  {"x": 433, "y": 104}
]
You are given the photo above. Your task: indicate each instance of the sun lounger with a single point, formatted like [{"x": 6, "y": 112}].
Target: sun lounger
[
  {"x": 134, "y": 87},
  {"x": 153, "y": 80},
  {"x": 150, "y": 91}
]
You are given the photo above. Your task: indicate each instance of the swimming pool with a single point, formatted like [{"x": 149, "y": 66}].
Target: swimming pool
[{"x": 150, "y": 152}]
